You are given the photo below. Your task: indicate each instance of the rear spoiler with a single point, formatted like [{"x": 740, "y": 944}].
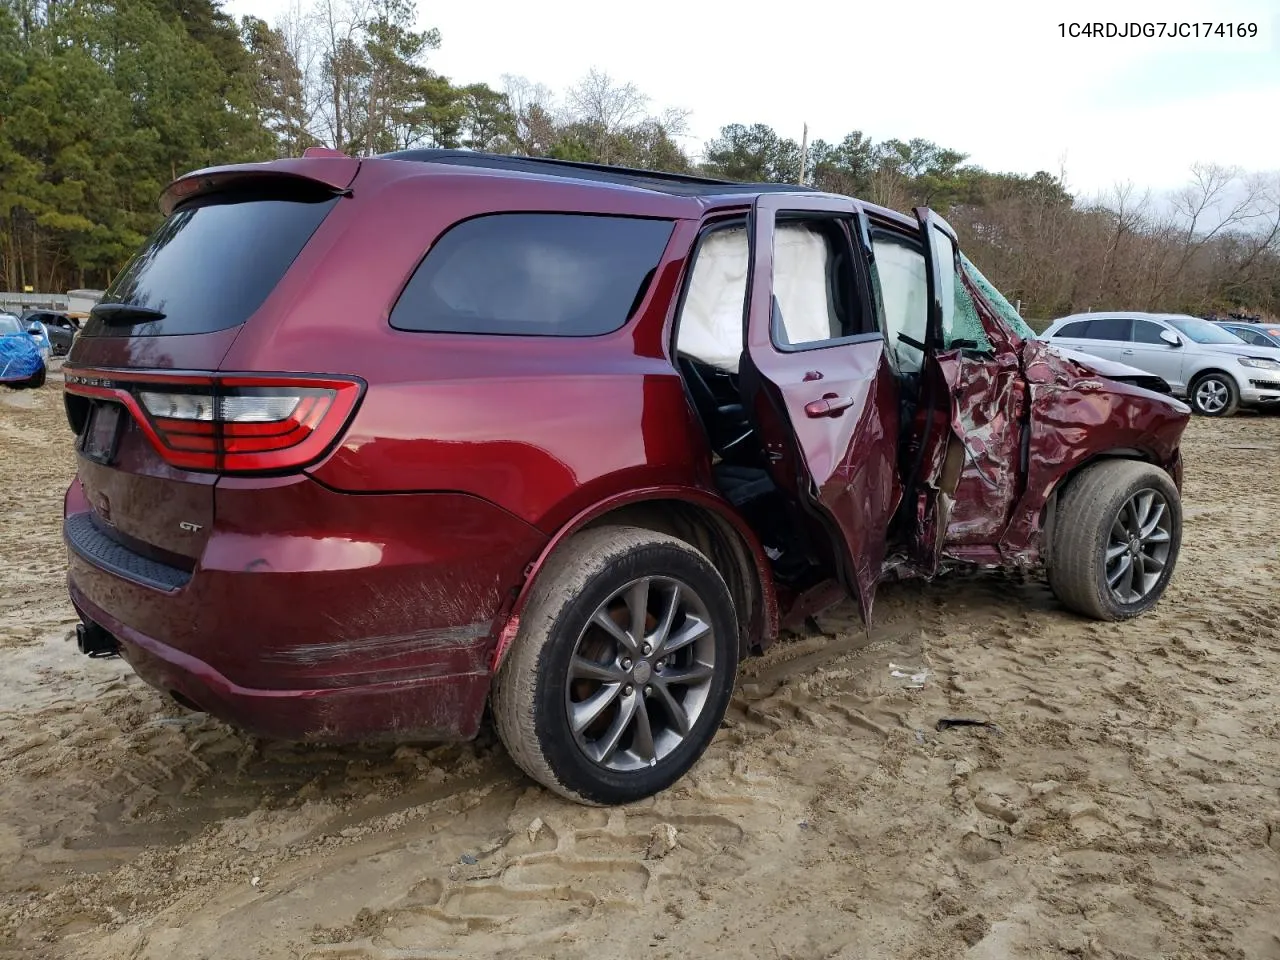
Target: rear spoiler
[{"x": 318, "y": 166}]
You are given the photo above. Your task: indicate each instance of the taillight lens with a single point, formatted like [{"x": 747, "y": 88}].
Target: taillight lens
[{"x": 231, "y": 424}]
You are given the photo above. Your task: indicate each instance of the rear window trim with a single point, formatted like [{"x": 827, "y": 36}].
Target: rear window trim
[{"x": 639, "y": 307}]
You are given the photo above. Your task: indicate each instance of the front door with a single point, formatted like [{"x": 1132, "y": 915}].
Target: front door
[
  {"x": 971, "y": 427},
  {"x": 1149, "y": 351},
  {"x": 816, "y": 380}
]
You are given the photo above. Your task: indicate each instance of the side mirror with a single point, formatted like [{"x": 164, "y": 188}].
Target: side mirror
[
  {"x": 1171, "y": 338},
  {"x": 35, "y": 329}
]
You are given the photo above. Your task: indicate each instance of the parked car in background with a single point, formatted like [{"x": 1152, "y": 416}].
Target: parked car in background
[
  {"x": 60, "y": 328},
  {"x": 1257, "y": 334},
  {"x": 565, "y": 439},
  {"x": 39, "y": 336},
  {"x": 22, "y": 364},
  {"x": 1216, "y": 370}
]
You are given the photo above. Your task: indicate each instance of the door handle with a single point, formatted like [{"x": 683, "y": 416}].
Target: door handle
[
  {"x": 1126, "y": 353},
  {"x": 831, "y": 405}
]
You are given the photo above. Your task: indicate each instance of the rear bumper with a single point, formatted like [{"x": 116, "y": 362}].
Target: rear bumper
[
  {"x": 445, "y": 707},
  {"x": 339, "y": 618}
]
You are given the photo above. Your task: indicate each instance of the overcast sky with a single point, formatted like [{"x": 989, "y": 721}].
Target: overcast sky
[{"x": 994, "y": 80}]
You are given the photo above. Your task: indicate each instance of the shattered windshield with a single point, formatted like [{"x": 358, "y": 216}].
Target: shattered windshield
[{"x": 997, "y": 300}]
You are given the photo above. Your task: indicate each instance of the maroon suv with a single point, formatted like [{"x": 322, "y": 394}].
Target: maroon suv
[{"x": 365, "y": 445}]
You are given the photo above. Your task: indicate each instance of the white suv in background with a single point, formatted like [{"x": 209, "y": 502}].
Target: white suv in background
[{"x": 1214, "y": 369}]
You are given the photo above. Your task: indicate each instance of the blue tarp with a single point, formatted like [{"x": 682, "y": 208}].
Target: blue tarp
[{"x": 19, "y": 359}]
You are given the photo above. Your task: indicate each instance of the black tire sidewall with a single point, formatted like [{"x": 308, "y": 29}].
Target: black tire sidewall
[
  {"x": 1233, "y": 394},
  {"x": 1159, "y": 481},
  {"x": 571, "y": 767}
]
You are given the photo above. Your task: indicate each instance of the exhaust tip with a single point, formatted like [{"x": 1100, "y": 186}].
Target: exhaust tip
[{"x": 93, "y": 641}]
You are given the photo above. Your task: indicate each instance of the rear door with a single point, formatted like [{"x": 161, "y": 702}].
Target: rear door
[
  {"x": 1107, "y": 337},
  {"x": 816, "y": 380},
  {"x": 969, "y": 435}
]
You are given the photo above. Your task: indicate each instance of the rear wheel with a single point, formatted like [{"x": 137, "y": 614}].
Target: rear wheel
[
  {"x": 1116, "y": 538},
  {"x": 622, "y": 668},
  {"x": 1214, "y": 395},
  {"x": 37, "y": 379}
]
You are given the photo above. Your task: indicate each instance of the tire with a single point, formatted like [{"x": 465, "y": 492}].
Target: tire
[
  {"x": 1092, "y": 523},
  {"x": 38, "y": 378},
  {"x": 534, "y": 695},
  {"x": 1210, "y": 389}
]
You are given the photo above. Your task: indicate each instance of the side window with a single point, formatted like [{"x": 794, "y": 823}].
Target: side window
[
  {"x": 539, "y": 274},
  {"x": 1144, "y": 331},
  {"x": 1108, "y": 328},
  {"x": 815, "y": 293},
  {"x": 1250, "y": 336},
  {"x": 961, "y": 326},
  {"x": 1079, "y": 330},
  {"x": 710, "y": 326},
  {"x": 900, "y": 274}
]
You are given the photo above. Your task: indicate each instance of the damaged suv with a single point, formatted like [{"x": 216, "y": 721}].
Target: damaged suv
[{"x": 365, "y": 445}]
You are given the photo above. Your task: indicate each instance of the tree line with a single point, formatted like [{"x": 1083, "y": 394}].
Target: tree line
[{"x": 102, "y": 102}]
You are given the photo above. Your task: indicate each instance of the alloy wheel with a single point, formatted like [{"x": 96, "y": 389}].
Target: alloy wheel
[
  {"x": 1212, "y": 395},
  {"x": 641, "y": 674},
  {"x": 1138, "y": 547}
]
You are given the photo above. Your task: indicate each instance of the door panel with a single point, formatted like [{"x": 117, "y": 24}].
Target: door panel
[
  {"x": 827, "y": 409},
  {"x": 974, "y": 420},
  {"x": 1148, "y": 352}
]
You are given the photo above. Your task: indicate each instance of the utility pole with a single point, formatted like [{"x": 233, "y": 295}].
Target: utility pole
[{"x": 804, "y": 153}]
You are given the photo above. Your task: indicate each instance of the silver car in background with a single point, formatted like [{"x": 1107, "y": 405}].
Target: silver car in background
[{"x": 1214, "y": 369}]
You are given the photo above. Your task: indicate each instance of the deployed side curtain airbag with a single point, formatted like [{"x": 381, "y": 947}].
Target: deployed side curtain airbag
[
  {"x": 801, "y": 284},
  {"x": 712, "y": 318},
  {"x": 711, "y": 321}
]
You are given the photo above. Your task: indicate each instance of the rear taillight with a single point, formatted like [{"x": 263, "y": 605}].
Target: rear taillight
[{"x": 230, "y": 423}]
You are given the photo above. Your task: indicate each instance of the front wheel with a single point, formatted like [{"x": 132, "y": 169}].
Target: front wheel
[
  {"x": 1214, "y": 395},
  {"x": 622, "y": 668},
  {"x": 1116, "y": 538}
]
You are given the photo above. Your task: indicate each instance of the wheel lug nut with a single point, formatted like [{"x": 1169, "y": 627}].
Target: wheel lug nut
[
  {"x": 646, "y": 649},
  {"x": 626, "y": 664},
  {"x": 648, "y": 691},
  {"x": 627, "y": 690}
]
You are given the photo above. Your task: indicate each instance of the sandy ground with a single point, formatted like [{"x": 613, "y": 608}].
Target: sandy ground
[{"x": 1125, "y": 807}]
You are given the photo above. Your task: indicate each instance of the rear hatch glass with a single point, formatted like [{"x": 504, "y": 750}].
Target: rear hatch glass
[
  {"x": 214, "y": 261},
  {"x": 208, "y": 268}
]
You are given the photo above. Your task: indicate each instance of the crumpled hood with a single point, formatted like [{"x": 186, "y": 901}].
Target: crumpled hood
[{"x": 19, "y": 358}]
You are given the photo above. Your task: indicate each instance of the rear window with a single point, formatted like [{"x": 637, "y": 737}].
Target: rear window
[
  {"x": 214, "y": 261},
  {"x": 536, "y": 274}
]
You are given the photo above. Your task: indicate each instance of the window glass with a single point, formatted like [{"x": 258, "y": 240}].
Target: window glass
[
  {"x": 1144, "y": 331},
  {"x": 1004, "y": 309},
  {"x": 961, "y": 326},
  {"x": 1202, "y": 331},
  {"x": 711, "y": 318},
  {"x": 566, "y": 275},
  {"x": 1108, "y": 328},
  {"x": 813, "y": 286},
  {"x": 902, "y": 284},
  {"x": 213, "y": 262},
  {"x": 1078, "y": 330}
]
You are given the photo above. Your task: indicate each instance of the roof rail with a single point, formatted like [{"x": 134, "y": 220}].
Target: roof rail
[{"x": 659, "y": 180}]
